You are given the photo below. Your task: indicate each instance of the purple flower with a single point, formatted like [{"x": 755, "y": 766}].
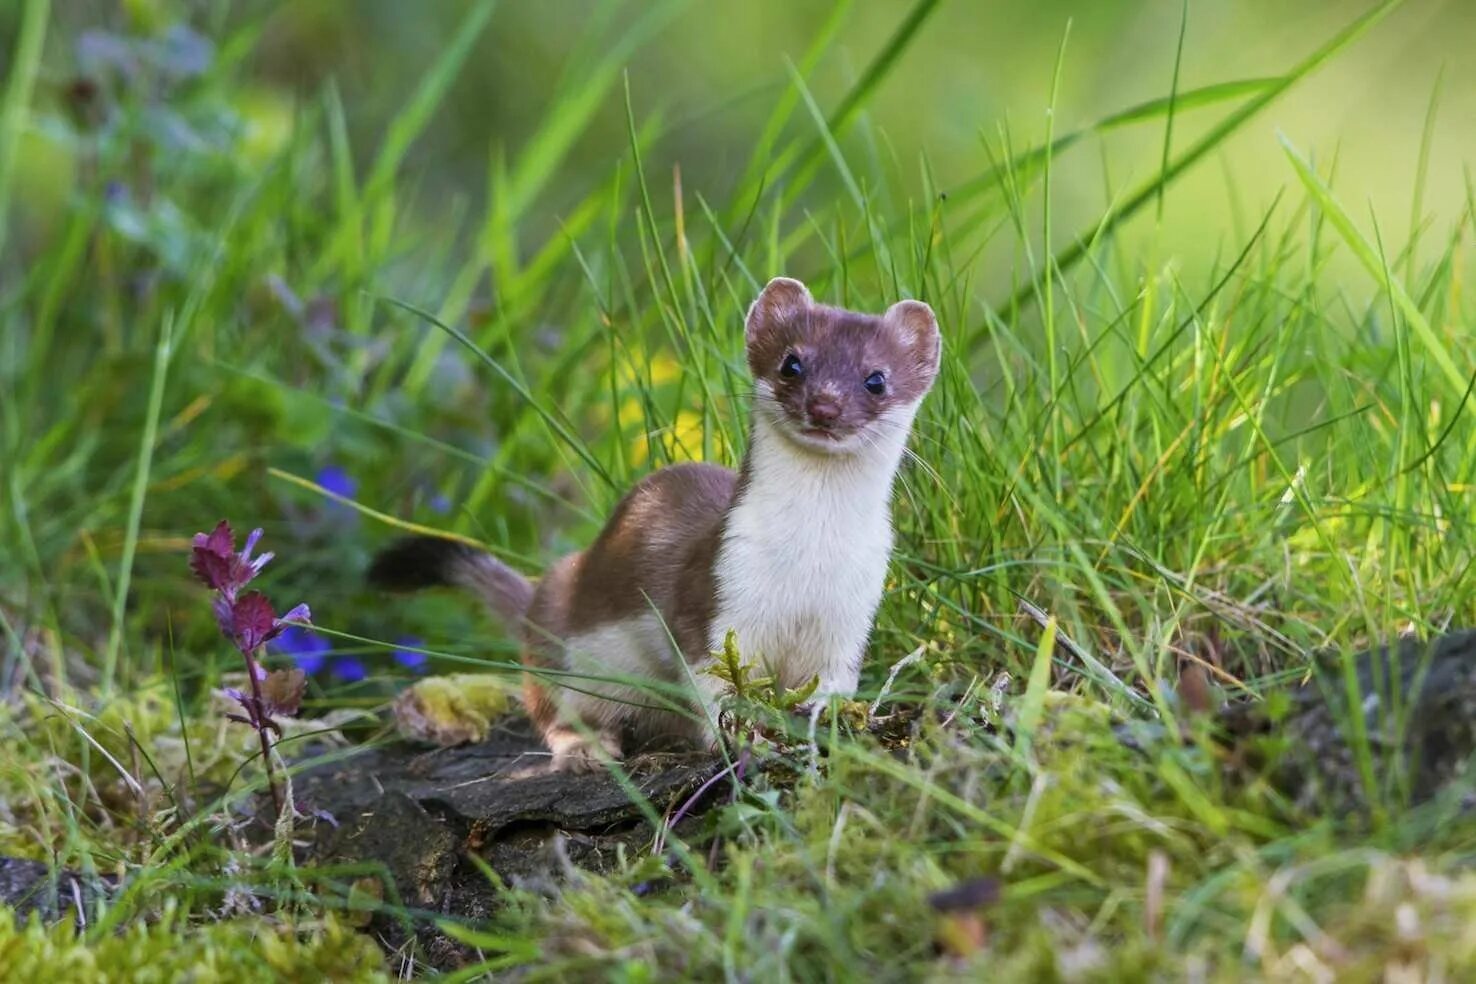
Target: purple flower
[
  {"x": 308, "y": 650},
  {"x": 349, "y": 669},
  {"x": 439, "y": 504},
  {"x": 337, "y": 481},
  {"x": 214, "y": 560},
  {"x": 213, "y": 557},
  {"x": 252, "y": 623},
  {"x": 405, "y": 653},
  {"x": 249, "y": 622}
]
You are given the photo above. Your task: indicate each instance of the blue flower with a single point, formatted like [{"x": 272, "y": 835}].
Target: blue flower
[
  {"x": 337, "y": 481},
  {"x": 406, "y": 655},
  {"x": 308, "y": 650},
  {"x": 348, "y": 669},
  {"x": 440, "y": 504}
]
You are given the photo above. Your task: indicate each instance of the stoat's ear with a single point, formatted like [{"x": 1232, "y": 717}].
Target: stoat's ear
[
  {"x": 779, "y": 303},
  {"x": 916, "y": 328}
]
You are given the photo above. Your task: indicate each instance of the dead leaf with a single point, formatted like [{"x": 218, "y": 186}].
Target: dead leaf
[{"x": 282, "y": 692}]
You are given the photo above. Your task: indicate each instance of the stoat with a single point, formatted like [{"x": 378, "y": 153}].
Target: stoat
[{"x": 790, "y": 552}]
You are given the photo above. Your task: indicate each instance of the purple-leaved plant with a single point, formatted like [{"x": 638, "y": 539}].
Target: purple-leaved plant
[{"x": 249, "y": 622}]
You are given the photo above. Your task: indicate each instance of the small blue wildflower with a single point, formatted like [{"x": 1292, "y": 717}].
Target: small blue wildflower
[
  {"x": 349, "y": 669},
  {"x": 308, "y": 650},
  {"x": 406, "y": 655},
  {"x": 440, "y": 504},
  {"x": 337, "y": 481}
]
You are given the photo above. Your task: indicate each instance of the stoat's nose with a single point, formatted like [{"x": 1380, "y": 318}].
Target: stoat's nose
[{"x": 823, "y": 411}]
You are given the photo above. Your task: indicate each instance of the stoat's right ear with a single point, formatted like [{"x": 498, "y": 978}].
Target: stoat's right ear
[{"x": 779, "y": 303}]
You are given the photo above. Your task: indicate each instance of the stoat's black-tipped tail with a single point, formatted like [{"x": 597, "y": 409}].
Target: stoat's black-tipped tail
[
  {"x": 428, "y": 562},
  {"x": 416, "y": 562}
]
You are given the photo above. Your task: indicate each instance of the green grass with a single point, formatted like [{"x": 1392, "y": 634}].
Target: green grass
[{"x": 1266, "y": 451}]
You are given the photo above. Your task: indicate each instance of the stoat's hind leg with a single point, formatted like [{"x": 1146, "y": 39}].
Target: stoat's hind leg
[{"x": 573, "y": 750}]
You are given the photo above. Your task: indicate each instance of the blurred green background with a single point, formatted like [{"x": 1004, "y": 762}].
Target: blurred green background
[{"x": 711, "y": 73}]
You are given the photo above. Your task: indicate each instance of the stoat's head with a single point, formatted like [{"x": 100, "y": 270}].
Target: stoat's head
[{"x": 834, "y": 381}]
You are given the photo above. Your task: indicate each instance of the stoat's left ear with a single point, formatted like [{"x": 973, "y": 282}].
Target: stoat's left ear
[
  {"x": 917, "y": 328},
  {"x": 782, "y": 300}
]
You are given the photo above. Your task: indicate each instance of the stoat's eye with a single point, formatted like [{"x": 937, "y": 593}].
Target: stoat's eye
[
  {"x": 791, "y": 367},
  {"x": 876, "y": 384}
]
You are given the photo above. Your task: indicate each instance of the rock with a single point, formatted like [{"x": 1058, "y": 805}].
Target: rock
[
  {"x": 419, "y": 851},
  {"x": 499, "y": 782},
  {"x": 31, "y": 886},
  {"x": 418, "y": 816},
  {"x": 1417, "y": 703}
]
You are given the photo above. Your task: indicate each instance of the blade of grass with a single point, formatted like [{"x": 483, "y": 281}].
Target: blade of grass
[
  {"x": 876, "y": 71},
  {"x": 400, "y": 135},
  {"x": 1221, "y": 132},
  {"x": 1422, "y": 174},
  {"x": 763, "y": 160},
  {"x": 570, "y": 112},
  {"x": 1032, "y": 705},
  {"x": 140, "y": 483},
  {"x": 147, "y": 438},
  {"x": 412, "y": 119},
  {"x": 1168, "y": 123},
  {"x": 1370, "y": 258},
  {"x": 1026, "y": 161},
  {"x": 1048, "y": 275},
  {"x": 394, "y": 521},
  {"x": 17, "y": 105},
  {"x": 827, "y": 137},
  {"x": 550, "y": 420}
]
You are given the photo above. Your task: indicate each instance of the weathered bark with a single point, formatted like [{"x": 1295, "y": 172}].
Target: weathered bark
[{"x": 417, "y": 816}]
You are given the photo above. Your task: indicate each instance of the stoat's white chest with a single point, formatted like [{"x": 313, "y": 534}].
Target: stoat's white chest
[{"x": 804, "y": 559}]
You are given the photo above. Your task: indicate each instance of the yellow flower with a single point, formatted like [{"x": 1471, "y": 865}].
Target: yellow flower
[{"x": 664, "y": 368}]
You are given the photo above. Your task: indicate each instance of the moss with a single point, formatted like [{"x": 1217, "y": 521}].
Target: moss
[
  {"x": 454, "y": 709},
  {"x": 114, "y": 767},
  {"x": 125, "y": 767},
  {"x": 174, "y": 949}
]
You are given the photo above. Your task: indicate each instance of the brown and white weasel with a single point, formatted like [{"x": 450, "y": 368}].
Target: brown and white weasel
[{"x": 790, "y": 552}]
